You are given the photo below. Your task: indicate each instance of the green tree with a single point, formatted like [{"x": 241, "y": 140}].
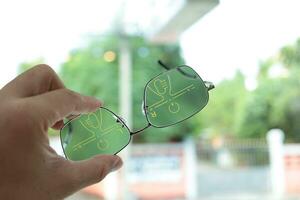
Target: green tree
[
  {"x": 276, "y": 101},
  {"x": 236, "y": 112},
  {"x": 222, "y": 113}
]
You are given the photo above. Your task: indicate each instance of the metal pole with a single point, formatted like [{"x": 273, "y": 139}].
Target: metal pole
[
  {"x": 125, "y": 106},
  {"x": 124, "y": 103},
  {"x": 113, "y": 182}
]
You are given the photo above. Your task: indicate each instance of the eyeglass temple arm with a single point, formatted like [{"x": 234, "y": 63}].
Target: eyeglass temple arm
[
  {"x": 180, "y": 70},
  {"x": 163, "y": 65},
  {"x": 208, "y": 84}
]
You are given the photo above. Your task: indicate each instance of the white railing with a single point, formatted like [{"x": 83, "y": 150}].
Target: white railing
[{"x": 284, "y": 165}]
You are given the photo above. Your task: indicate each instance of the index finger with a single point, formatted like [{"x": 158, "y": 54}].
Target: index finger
[
  {"x": 37, "y": 80},
  {"x": 56, "y": 105}
]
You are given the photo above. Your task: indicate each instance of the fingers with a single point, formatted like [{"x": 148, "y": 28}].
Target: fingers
[
  {"x": 85, "y": 173},
  {"x": 58, "y": 104},
  {"x": 37, "y": 80}
]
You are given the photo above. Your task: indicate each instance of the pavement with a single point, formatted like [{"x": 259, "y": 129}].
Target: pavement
[
  {"x": 245, "y": 182},
  {"x": 215, "y": 183}
]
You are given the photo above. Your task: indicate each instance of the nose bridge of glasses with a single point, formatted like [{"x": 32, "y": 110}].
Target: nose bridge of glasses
[{"x": 140, "y": 130}]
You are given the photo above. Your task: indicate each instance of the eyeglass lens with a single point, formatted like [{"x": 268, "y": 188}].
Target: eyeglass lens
[
  {"x": 174, "y": 96},
  {"x": 100, "y": 132}
]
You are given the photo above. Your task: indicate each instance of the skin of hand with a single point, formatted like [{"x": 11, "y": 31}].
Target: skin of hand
[{"x": 29, "y": 168}]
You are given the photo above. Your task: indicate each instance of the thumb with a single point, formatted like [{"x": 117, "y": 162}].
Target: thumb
[{"x": 91, "y": 171}]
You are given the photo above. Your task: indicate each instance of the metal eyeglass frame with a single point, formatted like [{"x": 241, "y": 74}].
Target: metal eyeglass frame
[{"x": 209, "y": 86}]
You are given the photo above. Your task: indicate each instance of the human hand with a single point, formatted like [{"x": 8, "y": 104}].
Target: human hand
[{"x": 29, "y": 167}]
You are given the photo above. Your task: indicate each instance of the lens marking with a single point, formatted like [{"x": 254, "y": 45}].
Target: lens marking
[{"x": 95, "y": 128}]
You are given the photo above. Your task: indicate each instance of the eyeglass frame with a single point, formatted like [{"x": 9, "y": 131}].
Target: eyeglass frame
[{"x": 209, "y": 86}]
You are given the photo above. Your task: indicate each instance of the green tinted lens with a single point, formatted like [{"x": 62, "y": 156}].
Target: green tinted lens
[
  {"x": 95, "y": 133},
  {"x": 174, "y": 96}
]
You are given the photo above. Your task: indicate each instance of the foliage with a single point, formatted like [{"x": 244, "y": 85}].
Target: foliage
[
  {"x": 233, "y": 111},
  {"x": 224, "y": 107},
  {"x": 276, "y": 101},
  {"x": 290, "y": 55}
]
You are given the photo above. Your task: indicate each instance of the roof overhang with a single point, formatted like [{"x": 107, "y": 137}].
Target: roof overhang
[{"x": 181, "y": 15}]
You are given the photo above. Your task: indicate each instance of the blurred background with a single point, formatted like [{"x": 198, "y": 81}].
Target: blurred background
[{"x": 243, "y": 145}]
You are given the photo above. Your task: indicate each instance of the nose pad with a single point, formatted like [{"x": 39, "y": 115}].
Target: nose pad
[
  {"x": 122, "y": 122},
  {"x": 143, "y": 108}
]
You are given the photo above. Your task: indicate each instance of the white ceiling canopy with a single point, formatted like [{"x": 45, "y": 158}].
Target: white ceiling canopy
[{"x": 163, "y": 20}]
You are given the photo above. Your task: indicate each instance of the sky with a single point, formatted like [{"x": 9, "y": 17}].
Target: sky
[
  {"x": 237, "y": 34},
  {"x": 50, "y": 29}
]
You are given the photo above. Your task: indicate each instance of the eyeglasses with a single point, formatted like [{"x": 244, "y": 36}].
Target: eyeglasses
[{"x": 169, "y": 98}]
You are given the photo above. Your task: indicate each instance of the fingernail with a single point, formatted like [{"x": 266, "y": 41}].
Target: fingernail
[
  {"x": 95, "y": 101},
  {"x": 98, "y": 101},
  {"x": 117, "y": 164}
]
